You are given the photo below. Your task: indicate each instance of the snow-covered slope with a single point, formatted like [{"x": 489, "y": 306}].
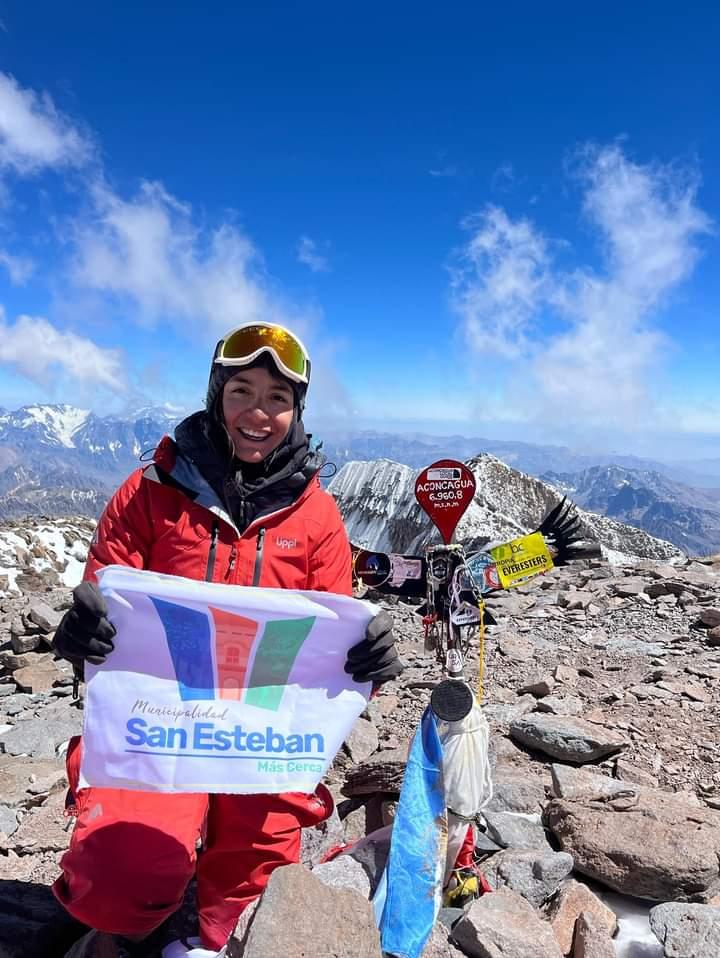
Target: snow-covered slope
[
  {"x": 377, "y": 500},
  {"x": 52, "y": 549}
]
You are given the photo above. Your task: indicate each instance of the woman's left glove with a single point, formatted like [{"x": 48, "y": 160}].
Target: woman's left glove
[{"x": 375, "y": 659}]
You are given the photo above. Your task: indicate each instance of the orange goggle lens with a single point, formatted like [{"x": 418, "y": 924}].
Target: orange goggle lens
[{"x": 249, "y": 340}]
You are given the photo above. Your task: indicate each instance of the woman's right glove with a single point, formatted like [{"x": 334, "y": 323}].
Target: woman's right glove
[{"x": 85, "y": 633}]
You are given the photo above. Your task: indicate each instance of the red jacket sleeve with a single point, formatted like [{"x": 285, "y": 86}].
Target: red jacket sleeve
[
  {"x": 124, "y": 533},
  {"x": 330, "y": 561}
]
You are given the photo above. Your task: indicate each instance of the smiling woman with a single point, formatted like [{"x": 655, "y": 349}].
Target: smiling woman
[{"x": 233, "y": 498}]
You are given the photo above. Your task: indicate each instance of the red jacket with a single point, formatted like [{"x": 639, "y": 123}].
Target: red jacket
[{"x": 165, "y": 519}]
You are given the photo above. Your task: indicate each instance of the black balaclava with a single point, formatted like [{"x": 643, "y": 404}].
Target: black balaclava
[{"x": 219, "y": 376}]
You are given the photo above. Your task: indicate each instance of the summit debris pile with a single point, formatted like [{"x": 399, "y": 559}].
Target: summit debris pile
[{"x": 602, "y": 694}]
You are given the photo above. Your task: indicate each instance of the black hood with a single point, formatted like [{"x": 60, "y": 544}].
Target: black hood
[{"x": 248, "y": 490}]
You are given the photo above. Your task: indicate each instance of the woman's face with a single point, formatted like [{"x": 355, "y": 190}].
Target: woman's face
[{"x": 257, "y": 411}]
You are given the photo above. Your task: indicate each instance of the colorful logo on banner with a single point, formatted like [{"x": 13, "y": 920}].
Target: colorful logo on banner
[
  {"x": 444, "y": 491},
  {"x": 218, "y": 654}
]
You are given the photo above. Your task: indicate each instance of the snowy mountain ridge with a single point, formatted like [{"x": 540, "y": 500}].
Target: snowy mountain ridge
[{"x": 377, "y": 501}]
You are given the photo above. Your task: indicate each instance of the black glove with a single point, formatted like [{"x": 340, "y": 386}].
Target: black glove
[
  {"x": 375, "y": 658},
  {"x": 85, "y": 632}
]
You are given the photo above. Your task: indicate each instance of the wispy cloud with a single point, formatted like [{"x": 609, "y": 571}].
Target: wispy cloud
[
  {"x": 307, "y": 253},
  {"x": 19, "y": 268},
  {"x": 146, "y": 254},
  {"x": 151, "y": 250},
  {"x": 36, "y": 348},
  {"x": 594, "y": 362},
  {"x": 35, "y": 135},
  {"x": 499, "y": 278}
]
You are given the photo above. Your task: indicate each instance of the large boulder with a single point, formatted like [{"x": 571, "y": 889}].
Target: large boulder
[
  {"x": 535, "y": 875},
  {"x": 592, "y": 939},
  {"x": 298, "y": 915},
  {"x": 571, "y": 901},
  {"x": 644, "y": 843},
  {"x": 687, "y": 931},
  {"x": 504, "y": 925},
  {"x": 565, "y": 737}
]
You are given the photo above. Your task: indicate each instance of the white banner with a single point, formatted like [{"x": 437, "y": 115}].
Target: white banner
[{"x": 216, "y": 688}]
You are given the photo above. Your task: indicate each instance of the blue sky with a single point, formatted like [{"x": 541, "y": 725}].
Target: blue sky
[{"x": 499, "y": 222}]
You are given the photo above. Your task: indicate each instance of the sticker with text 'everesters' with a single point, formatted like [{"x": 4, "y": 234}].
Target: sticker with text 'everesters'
[{"x": 521, "y": 559}]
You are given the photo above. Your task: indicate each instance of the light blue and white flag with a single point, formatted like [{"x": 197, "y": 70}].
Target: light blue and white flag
[{"x": 409, "y": 895}]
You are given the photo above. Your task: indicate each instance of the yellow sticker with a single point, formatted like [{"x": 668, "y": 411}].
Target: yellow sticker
[{"x": 521, "y": 559}]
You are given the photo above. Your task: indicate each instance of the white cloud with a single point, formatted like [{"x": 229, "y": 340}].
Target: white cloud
[
  {"x": 35, "y": 347},
  {"x": 498, "y": 281},
  {"x": 19, "y": 268},
  {"x": 34, "y": 134},
  {"x": 599, "y": 360},
  {"x": 307, "y": 253},
  {"x": 150, "y": 250}
]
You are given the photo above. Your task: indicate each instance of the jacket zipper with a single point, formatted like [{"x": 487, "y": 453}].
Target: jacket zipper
[
  {"x": 258, "y": 556},
  {"x": 211, "y": 554}
]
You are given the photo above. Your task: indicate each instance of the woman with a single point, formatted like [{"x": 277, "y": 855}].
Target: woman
[{"x": 234, "y": 498}]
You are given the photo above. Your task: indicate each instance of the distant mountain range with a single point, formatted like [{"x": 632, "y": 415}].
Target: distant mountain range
[
  {"x": 57, "y": 460},
  {"x": 686, "y": 516}
]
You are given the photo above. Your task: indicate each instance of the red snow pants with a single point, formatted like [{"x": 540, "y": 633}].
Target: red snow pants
[{"x": 133, "y": 853}]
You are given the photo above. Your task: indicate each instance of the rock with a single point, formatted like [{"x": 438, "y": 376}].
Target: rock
[
  {"x": 687, "y": 931},
  {"x": 630, "y": 586},
  {"x": 710, "y": 617},
  {"x": 565, "y": 673},
  {"x": 538, "y": 687},
  {"x": 37, "y": 678},
  {"x": 11, "y": 661},
  {"x": 536, "y": 875},
  {"x": 514, "y": 831},
  {"x": 504, "y": 925},
  {"x": 317, "y": 841},
  {"x": 383, "y": 772},
  {"x": 515, "y": 648},
  {"x": 372, "y": 853},
  {"x": 560, "y": 705},
  {"x": 645, "y": 843},
  {"x": 505, "y": 714},
  {"x": 25, "y": 643},
  {"x": 636, "y": 776},
  {"x": 42, "y": 615},
  {"x": 592, "y": 940},
  {"x": 344, "y": 872},
  {"x": 438, "y": 944},
  {"x": 362, "y": 740},
  {"x": 39, "y": 737},
  {"x": 45, "y": 830},
  {"x": 25, "y": 778},
  {"x": 713, "y": 636},
  {"x": 563, "y": 911},
  {"x": 517, "y": 794},
  {"x": 298, "y": 916},
  {"x": 567, "y": 738},
  {"x": 8, "y": 821},
  {"x": 578, "y": 783}
]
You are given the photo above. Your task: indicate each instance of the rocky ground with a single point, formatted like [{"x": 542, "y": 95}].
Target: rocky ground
[{"x": 601, "y": 691}]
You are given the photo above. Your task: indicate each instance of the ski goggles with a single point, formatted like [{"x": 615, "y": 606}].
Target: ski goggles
[{"x": 243, "y": 345}]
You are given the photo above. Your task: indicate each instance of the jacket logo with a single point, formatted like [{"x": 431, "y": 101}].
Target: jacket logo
[{"x": 286, "y": 543}]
